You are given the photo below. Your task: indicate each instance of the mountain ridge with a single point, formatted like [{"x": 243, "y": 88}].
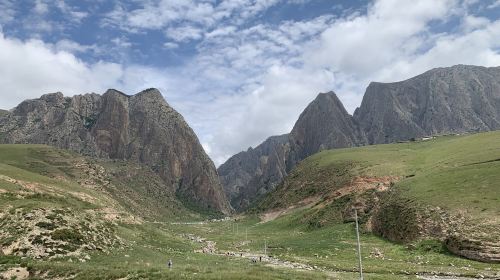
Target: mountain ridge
[
  {"x": 457, "y": 99},
  {"x": 142, "y": 128}
]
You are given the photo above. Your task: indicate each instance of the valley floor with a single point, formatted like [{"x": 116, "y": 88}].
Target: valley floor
[
  {"x": 65, "y": 217},
  {"x": 231, "y": 250}
]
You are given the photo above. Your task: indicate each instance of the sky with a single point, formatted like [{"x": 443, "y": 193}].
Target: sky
[{"x": 238, "y": 71}]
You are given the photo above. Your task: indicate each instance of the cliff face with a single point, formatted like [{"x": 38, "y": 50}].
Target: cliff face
[
  {"x": 248, "y": 175},
  {"x": 142, "y": 128},
  {"x": 324, "y": 124},
  {"x": 444, "y": 100}
]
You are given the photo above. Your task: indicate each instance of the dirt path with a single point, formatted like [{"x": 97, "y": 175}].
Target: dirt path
[
  {"x": 210, "y": 247},
  {"x": 305, "y": 203},
  {"x": 434, "y": 277}
]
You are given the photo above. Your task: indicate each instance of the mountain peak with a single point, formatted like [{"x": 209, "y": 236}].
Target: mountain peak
[
  {"x": 150, "y": 95},
  {"x": 150, "y": 92},
  {"x": 54, "y": 97},
  {"x": 326, "y": 101},
  {"x": 139, "y": 128},
  {"x": 113, "y": 91},
  {"x": 331, "y": 95}
]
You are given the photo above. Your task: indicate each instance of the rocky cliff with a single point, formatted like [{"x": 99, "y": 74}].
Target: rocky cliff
[
  {"x": 456, "y": 99},
  {"x": 324, "y": 124},
  {"x": 141, "y": 128},
  {"x": 443, "y": 100},
  {"x": 248, "y": 175}
]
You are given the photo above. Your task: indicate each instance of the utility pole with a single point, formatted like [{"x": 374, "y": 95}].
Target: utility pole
[
  {"x": 237, "y": 231},
  {"x": 265, "y": 247},
  {"x": 246, "y": 234},
  {"x": 359, "y": 246}
]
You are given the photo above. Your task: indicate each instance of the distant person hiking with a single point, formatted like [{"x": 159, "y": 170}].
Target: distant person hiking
[{"x": 170, "y": 263}]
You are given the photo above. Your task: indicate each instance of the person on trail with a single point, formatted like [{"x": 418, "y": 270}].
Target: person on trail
[
  {"x": 260, "y": 258},
  {"x": 170, "y": 263}
]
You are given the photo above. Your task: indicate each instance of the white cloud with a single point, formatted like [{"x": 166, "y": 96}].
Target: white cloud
[
  {"x": 7, "y": 11},
  {"x": 74, "y": 47},
  {"x": 184, "y": 33},
  {"x": 364, "y": 43},
  {"x": 31, "y": 68},
  {"x": 494, "y": 5},
  {"x": 69, "y": 12},
  {"x": 471, "y": 23},
  {"x": 121, "y": 42},
  {"x": 170, "y": 45},
  {"x": 37, "y": 18},
  {"x": 40, "y": 7},
  {"x": 184, "y": 20}
]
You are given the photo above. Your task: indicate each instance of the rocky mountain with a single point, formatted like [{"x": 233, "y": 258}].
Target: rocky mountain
[
  {"x": 141, "y": 128},
  {"x": 247, "y": 175},
  {"x": 455, "y": 99},
  {"x": 324, "y": 124}
]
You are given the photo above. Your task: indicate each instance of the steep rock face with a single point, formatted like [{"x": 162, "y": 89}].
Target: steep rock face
[
  {"x": 443, "y": 100},
  {"x": 247, "y": 175},
  {"x": 142, "y": 127},
  {"x": 324, "y": 124}
]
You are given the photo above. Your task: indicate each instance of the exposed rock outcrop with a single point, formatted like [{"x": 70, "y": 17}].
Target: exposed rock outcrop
[
  {"x": 267, "y": 161},
  {"x": 141, "y": 128},
  {"x": 324, "y": 124},
  {"x": 403, "y": 221},
  {"x": 443, "y": 100}
]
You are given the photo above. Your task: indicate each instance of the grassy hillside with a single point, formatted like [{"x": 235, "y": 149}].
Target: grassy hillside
[
  {"x": 126, "y": 186},
  {"x": 63, "y": 216},
  {"x": 446, "y": 188},
  {"x": 67, "y": 217},
  {"x": 430, "y": 171}
]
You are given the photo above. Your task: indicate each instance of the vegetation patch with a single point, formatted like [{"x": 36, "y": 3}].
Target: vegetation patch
[{"x": 67, "y": 235}]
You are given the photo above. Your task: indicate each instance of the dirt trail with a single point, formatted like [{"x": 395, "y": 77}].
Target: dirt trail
[
  {"x": 210, "y": 247},
  {"x": 305, "y": 203},
  {"x": 434, "y": 277}
]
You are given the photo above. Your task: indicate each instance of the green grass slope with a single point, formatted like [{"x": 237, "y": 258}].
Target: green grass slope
[
  {"x": 445, "y": 188},
  {"x": 132, "y": 187},
  {"x": 63, "y": 216},
  {"x": 98, "y": 221}
]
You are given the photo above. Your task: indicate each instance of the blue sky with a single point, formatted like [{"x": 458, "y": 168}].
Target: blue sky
[{"x": 238, "y": 70}]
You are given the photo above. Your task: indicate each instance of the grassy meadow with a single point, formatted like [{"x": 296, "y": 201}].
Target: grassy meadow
[{"x": 457, "y": 173}]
